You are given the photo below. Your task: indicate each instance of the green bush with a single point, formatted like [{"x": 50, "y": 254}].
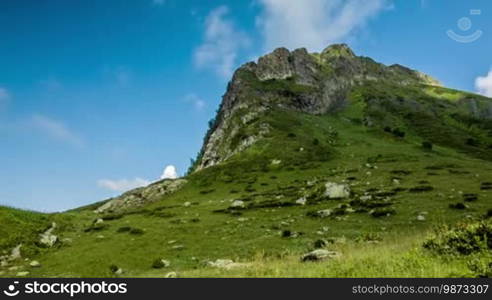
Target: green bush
[{"x": 464, "y": 239}]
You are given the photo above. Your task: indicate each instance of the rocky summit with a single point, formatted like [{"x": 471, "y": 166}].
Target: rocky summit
[{"x": 316, "y": 165}]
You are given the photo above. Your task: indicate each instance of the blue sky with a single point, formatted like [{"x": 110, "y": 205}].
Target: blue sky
[{"x": 99, "y": 96}]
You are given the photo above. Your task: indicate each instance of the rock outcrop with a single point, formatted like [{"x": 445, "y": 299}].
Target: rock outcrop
[{"x": 140, "y": 196}]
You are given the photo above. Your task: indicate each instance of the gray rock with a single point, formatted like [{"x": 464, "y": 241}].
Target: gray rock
[
  {"x": 319, "y": 254},
  {"x": 238, "y": 204},
  {"x": 22, "y": 274},
  {"x": 171, "y": 275},
  {"x": 35, "y": 264},
  {"x": 47, "y": 238},
  {"x": 336, "y": 191},
  {"x": 15, "y": 253},
  {"x": 226, "y": 264},
  {"x": 301, "y": 201}
]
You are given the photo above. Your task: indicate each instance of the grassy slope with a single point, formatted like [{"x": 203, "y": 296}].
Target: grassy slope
[{"x": 343, "y": 149}]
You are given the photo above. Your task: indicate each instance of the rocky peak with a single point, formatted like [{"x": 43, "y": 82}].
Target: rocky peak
[
  {"x": 314, "y": 83},
  {"x": 337, "y": 50}
]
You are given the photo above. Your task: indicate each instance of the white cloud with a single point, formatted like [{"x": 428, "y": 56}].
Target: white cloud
[
  {"x": 313, "y": 24},
  {"x": 123, "y": 185},
  {"x": 169, "y": 172},
  {"x": 4, "y": 98},
  {"x": 197, "y": 102},
  {"x": 484, "y": 84},
  {"x": 222, "y": 43},
  {"x": 55, "y": 129}
]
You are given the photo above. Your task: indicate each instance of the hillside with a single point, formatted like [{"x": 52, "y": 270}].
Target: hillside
[{"x": 381, "y": 169}]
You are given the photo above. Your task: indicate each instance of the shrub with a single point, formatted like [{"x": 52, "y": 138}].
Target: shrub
[
  {"x": 316, "y": 142},
  {"x": 124, "y": 229},
  {"x": 472, "y": 142},
  {"x": 382, "y": 212},
  {"x": 136, "y": 231},
  {"x": 427, "y": 145},
  {"x": 398, "y": 133},
  {"x": 463, "y": 239}
]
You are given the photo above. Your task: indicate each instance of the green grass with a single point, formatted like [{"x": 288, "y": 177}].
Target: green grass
[
  {"x": 344, "y": 148},
  {"x": 339, "y": 147}
]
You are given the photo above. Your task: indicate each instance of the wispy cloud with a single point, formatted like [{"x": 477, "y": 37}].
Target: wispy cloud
[
  {"x": 313, "y": 24},
  {"x": 484, "y": 84},
  {"x": 197, "y": 102},
  {"x": 4, "y": 98},
  {"x": 222, "y": 43},
  {"x": 55, "y": 129},
  {"x": 122, "y": 185}
]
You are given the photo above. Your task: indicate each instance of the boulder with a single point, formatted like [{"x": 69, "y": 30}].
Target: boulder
[
  {"x": 35, "y": 264},
  {"x": 336, "y": 191},
  {"x": 301, "y": 201},
  {"x": 238, "y": 204}
]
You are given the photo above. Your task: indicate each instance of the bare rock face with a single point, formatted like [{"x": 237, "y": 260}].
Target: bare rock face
[
  {"x": 275, "y": 65},
  {"x": 141, "y": 196},
  {"x": 314, "y": 83}
]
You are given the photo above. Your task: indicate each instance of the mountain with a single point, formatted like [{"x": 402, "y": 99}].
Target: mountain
[{"x": 328, "y": 157}]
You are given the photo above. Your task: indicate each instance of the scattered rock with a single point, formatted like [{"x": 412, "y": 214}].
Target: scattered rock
[
  {"x": 336, "y": 191},
  {"x": 187, "y": 204},
  {"x": 22, "y": 274},
  {"x": 238, "y": 204},
  {"x": 35, "y": 264},
  {"x": 276, "y": 162},
  {"x": 161, "y": 263},
  {"x": 325, "y": 213},
  {"x": 319, "y": 254},
  {"x": 178, "y": 247},
  {"x": 16, "y": 253},
  {"x": 48, "y": 239},
  {"x": 301, "y": 201},
  {"x": 171, "y": 275},
  {"x": 421, "y": 218},
  {"x": 226, "y": 264}
]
